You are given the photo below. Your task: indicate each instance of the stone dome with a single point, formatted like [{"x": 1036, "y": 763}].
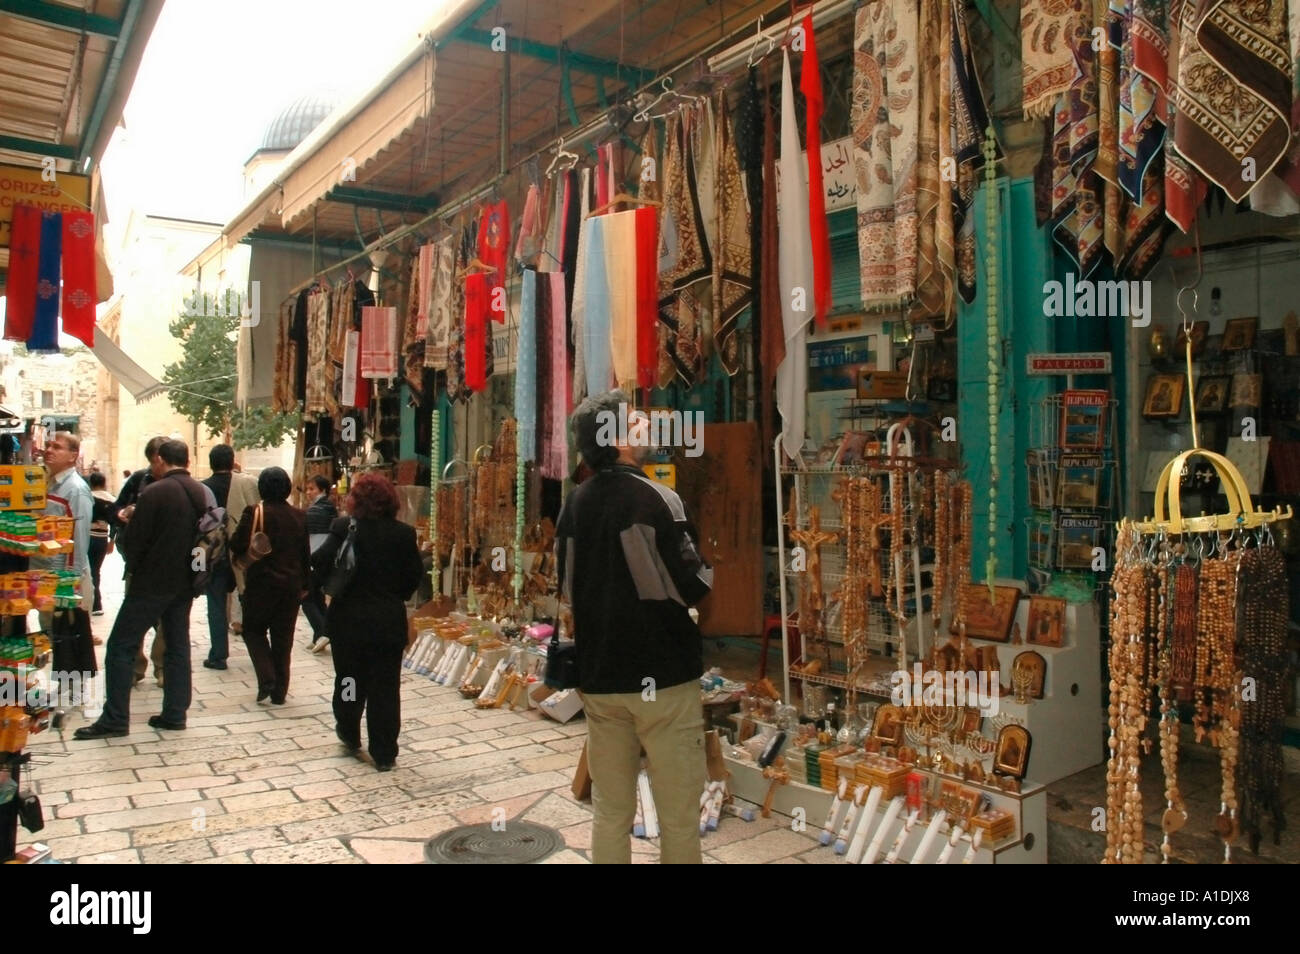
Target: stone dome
[{"x": 295, "y": 122}]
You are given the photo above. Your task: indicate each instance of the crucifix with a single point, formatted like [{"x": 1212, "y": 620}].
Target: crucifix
[{"x": 811, "y": 541}]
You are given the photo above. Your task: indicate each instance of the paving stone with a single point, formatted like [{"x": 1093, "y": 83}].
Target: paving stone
[
  {"x": 578, "y": 836},
  {"x": 321, "y": 789},
  {"x": 375, "y": 798},
  {"x": 769, "y": 846},
  {"x": 93, "y": 807},
  {"x": 240, "y": 859},
  {"x": 265, "y": 799},
  {"x": 177, "y": 851},
  {"x": 127, "y": 856},
  {"x": 54, "y": 828},
  {"x": 75, "y": 846},
  {"x": 567, "y": 745},
  {"x": 227, "y": 791},
  {"x": 463, "y": 751},
  {"x": 199, "y": 781},
  {"x": 420, "y": 830},
  {"x": 565, "y": 856},
  {"x": 305, "y": 778},
  {"x": 165, "y": 798},
  {"x": 509, "y": 742},
  {"x": 444, "y": 731},
  {"x": 560, "y": 761},
  {"x": 245, "y": 841},
  {"x": 519, "y": 786},
  {"x": 555, "y": 812},
  {"x": 113, "y": 791},
  {"x": 426, "y": 807},
  {"x": 68, "y": 781},
  {"x": 268, "y": 773},
  {"x": 377, "y": 852},
  {"x": 168, "y": 772},
  {"x": 210, "y": 755},
  {"x": 271, "y": 746},
  {"x": 432, "y": 745},
  {"x": 473, "y": 738},
  {"x": 503, "y": 808},
  {"x": 142, "y": 817},
  {"x": 330, "y": 826}
]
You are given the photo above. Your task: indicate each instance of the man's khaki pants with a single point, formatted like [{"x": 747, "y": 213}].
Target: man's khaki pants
[
  {"x": 671, "y": 730},
  {"x": 155, "y": 653}
]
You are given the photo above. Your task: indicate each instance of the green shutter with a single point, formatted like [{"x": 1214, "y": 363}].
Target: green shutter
[{"x": 846, "y": 281}]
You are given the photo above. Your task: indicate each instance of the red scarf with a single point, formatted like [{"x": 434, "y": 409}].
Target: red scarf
[
  {"x": 477, "y": 306},
  {"x": 24, "y": 257},
  {"x": 79, "y": 276},
  {"x": 810, "y": 82},
  {"x": 647, "y": 296},
  {"x": 493, "y": 247}
]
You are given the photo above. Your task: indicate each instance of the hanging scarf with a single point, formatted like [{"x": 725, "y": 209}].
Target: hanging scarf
[
  {"x": 796, "y": 273},
  {"x": 964, "y": 113},
  {"x": 45, "y": 326},
  {"x": 688, "y": 252},
  {"x": 552, "y": 386},
  {"x": 416, "y": 326},
  {"x": 285, "y": 359},
  {"x": 596, "y": 314},
  {"x": 79, "y": 276},
  {"x": 478, "y": 304},
  {"x": 647, "y": 296},
  {"x": 810, "y": 83},
  {"x": 1077, "y": 190},
  {"x": 24, "y": 260},
  {"x": 885, "y": 119},
  {"x": 1106, "y": 165},
  {"x": 318, "y": 319},
  {"x": 354, "y": 390},
  {"x": 493, "y": 248},
  {"x": 1048, "y": 67},
  {"x": 578, "y": 309},
  {"x": 703, "y": 151},
  {"x": 621, "y": 276},
  {"x": 1234, "y": 91},
  {"x": 529, "y": 242},
  {"x": 440, "y": 308},
  {"x": 933, "y": 284},
  {"x": 526, "y": 368},
  {"x": 1278, "y": 193},
  {"x": 769, "y": 291},
  {"x": 1185, "y": 187},
  {"x": 378, "y": 343},
  {"x": 749, "y": 149},
  {"x": 733, "y": 289}
]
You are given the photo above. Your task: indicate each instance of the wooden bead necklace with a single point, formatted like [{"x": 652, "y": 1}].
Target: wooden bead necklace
[
  {"x": 942, "y": 548},
  {"x": 1183, "y": 662}
]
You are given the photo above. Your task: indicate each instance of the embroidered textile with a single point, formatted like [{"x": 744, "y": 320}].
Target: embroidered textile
[
  {"x": 318, "y": 320},
  {"x": 552, "y": 386},
  {"x": 79, "y": 275},
  {"x": 378, "y": 343},
  {"x": 596, "y": 319},
  {"x": 885, "y": 116},
  {"x": 733, "y": 289},
  {"x": 810, "y": 83},
  {"x": 24, "y": 259},
  {"x": 45, "y": 324},
  {"x": 440, "y": 307},
  {"x": 1048, "y": 67},
  {"x": 621, "y": 275},
  {"x": 526, "y": 368},
  {"x": 477, "y": 304}
]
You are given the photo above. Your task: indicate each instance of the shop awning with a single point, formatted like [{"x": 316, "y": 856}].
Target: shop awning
[{"x": 130, "y": 375}]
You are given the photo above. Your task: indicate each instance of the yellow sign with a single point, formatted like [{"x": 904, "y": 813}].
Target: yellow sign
[
  {"x": 25, "y": 185},
  {"x": 665, "y": 474}
]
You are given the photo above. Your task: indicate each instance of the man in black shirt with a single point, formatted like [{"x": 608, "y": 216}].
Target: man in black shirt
[
  {"x": 221, "y": 459},
  {"x": 629, "y": 568}
]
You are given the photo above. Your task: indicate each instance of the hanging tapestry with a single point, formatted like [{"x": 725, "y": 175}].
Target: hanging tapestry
[
  {"x": 440, "y": 310},
  {"x": 1048, "y": 67},
  {"x": 732, "y": 280},
  {"x": 885, "y": 116},
  {"x": 1185, "y": 187},
  {"x": 318, "y": 319}
]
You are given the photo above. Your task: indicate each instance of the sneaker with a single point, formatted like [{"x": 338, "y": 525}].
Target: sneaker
[
  {"x": 320, "y": 645},
  {"x": 98, "y": 612}
]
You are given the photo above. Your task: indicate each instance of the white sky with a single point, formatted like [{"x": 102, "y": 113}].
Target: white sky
[{"x": 214, "y": 75}]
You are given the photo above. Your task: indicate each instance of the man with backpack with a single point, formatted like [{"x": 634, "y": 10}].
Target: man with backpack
[{"x": 166, "y": 544}]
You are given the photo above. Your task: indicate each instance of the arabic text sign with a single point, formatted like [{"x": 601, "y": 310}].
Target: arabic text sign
[
  {"x": 22, "y": 185},
  {"x": 1085, "y": 362},
  {"x": 839, "y": 184}
]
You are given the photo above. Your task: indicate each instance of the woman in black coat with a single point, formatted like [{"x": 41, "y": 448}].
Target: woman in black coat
[
  {"x": 367, "y": 622},
  {"x": 275, "y": 584}
]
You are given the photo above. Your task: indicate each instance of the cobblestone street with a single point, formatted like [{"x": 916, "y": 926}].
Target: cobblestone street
[{"x": 251, "y": 784}]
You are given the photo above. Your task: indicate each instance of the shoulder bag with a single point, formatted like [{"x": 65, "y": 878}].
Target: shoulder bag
[
  {"x": 345, "y": 565},
  {"x": 259, "y": 544}
]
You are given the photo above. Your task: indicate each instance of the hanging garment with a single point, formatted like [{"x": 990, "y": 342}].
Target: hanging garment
[
  {"x": 885, "y": 118},
  {"x": 1145, "y": 225},
  {"x": 578, "y": 308},
  {"x": 351, "y": 361},
  {"x": 286, "y": 360},
  {"x": 810, "y": 82},
  {"x": 1185, "y": 187},
  {"x": 749, "y": 150},
  {"x": 456, "y": 389},
  {"x": 964, "y": 112},
  {"x": 795, "y": 271},
  {"x": 596, "y": 318},
  {"x": 621, "y": 271},
  {"x": 647, "y": 296},
  {"x": 1234, "y": 91},
  {"x": 1278, "y": 192},
  {"x": 24, "y": 261},
  {"x": 378, "y": 343},
  {"x": 1048, "y": 68},
  {"x": 770, "y": 311},
  {"x": 45, "y": 326},
  {"x": 1077, "y": 192},
  {"x": 440, "y": 310},
  {"x": 79, "y": 276},
  {"x": 416, "y": 326},
  {"x": 298, "y": 334},
  {"x": 733, "y": 289},
  {"x": 340, "y": 319},
  {"x": 526, "y": 368},
  {"x": 1106, "y": 165},
  {"x": 529, "y": 243},
  {"x": 477, "y": 305},
  {"x": 933, "y": 285},
  {"x": 493, "y": 250},
  {"x": 552, "y": 380},
  {"x": 318, "y": 310},
  {"x": 651, "y": 162},
  {"x": 703, "y": 151},
  {"x": 681, "y": 304}
]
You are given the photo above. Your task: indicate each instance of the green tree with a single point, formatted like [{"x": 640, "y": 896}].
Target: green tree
[{"x": 202, "y": 384}]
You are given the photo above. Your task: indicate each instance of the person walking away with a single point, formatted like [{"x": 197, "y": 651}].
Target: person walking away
[
  {"x": 243, "y": 494},
  {"x": 221, "y": 461},
  {"x": 276, "y": 583},
  {"x": 67, "y": 495},
  {"x": 120, "y": 517},
  {"x": 367, "y": 622},
  {"x": 101, "y": 536},
  {"x": 321, "y": 514},
  {"x": 158, "y": 550},
  {"x": 629, "y": 568}
]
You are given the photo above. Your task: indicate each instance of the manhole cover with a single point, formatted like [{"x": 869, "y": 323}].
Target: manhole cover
[{"x": 520, "y": 843}]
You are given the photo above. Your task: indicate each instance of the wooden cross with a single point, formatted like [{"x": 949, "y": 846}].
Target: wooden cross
[{"x": 811, "y": 540}]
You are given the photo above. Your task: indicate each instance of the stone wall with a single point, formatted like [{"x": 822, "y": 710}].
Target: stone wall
[{"x": 71, "y": 381}]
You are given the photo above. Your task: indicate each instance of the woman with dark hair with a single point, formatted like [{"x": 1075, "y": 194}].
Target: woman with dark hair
[
  {"x": 367, "y": 622},
  {"x": 275, "y": 583}
]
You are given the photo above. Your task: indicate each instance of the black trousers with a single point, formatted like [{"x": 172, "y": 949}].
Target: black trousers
[
  {"x": 367, "y": 677},
  {"x": 96, "y": 551},
  {"x": 136, "y": 616},
  {"x": 273, "y": 612}
]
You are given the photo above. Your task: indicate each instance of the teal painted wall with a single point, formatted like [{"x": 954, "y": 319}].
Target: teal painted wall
[{"x": 1024, "y": 264}]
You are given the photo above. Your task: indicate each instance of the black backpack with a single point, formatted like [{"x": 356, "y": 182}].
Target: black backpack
[{"x": 211, "y": 543}]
